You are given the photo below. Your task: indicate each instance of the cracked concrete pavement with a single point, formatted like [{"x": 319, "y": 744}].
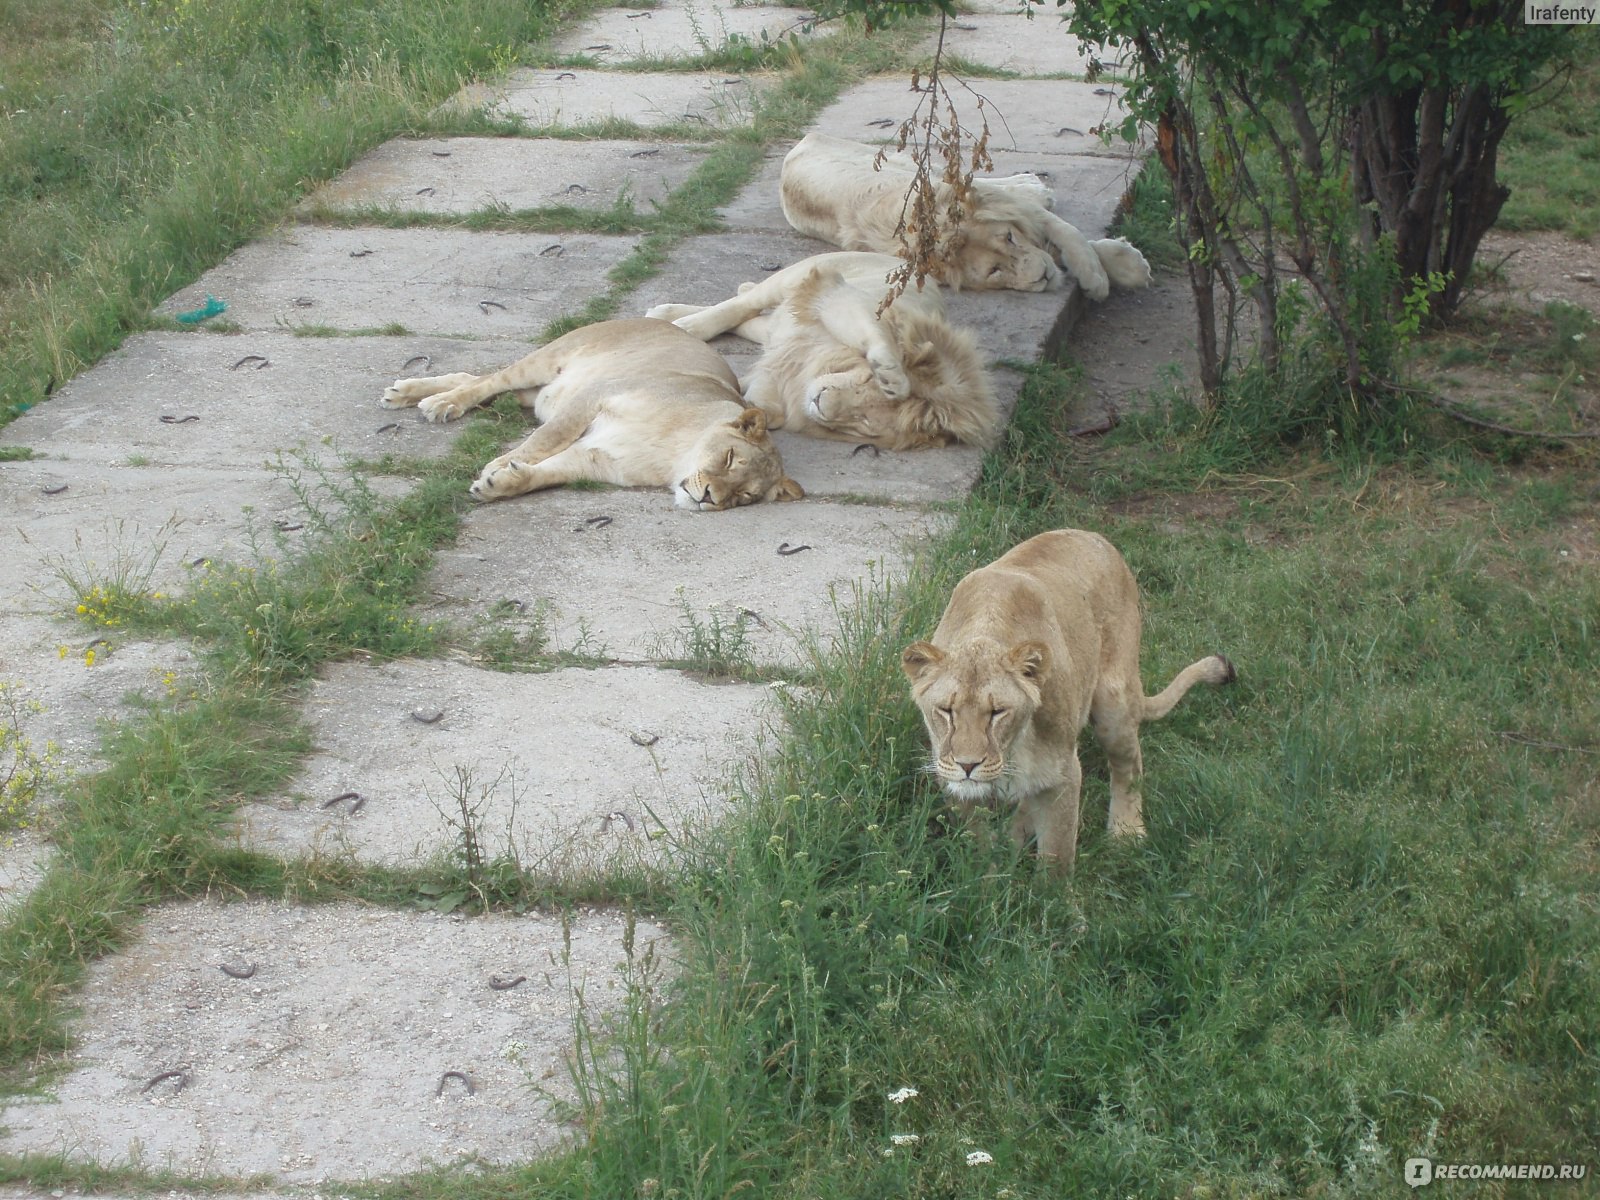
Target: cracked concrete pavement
[{"x": 322, "y": 1067}]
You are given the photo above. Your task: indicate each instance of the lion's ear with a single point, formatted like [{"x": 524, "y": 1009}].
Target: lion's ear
[
  {"x": 1028, "y": 659},
  {"x": 918, "y": 657},
  {"x": 752, "y": 422},
  {"x": 787, "y": 489}
]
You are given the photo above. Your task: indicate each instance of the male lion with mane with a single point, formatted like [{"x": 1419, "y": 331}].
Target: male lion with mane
[
  {"x": 1033, "y": 647},
  {"x": 639, "y": 403},
  {"x": 833, "y": 189},
  {"x": 833, "y": 367}
]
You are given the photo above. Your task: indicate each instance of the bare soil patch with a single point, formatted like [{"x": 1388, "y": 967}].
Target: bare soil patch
[{"x": 1536, "y": 268}]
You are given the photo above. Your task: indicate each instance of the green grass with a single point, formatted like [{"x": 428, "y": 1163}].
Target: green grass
[
  {"x": 1551, "y": 158},
  {"x": 145, "y": 141},
  {"x": 1521, "y": 370}
]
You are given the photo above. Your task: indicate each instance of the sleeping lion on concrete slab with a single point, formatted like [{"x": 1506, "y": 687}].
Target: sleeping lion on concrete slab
[
  {"x": 831, "y": 190},
  {"x": 638, "y": 403},
  {"x": 832, "y": 367},
  {"x": 1033, "y": 647}
]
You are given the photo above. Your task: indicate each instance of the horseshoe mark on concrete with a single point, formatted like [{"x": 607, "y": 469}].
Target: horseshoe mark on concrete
[
  {"x": 465, "y": 1079},
  {"x": 357, "y": 801},
  {"x": 181, "y": 1076}
]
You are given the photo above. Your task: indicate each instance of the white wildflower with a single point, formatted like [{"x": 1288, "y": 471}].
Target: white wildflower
[
  {"x": 514, "y": 1050},
  {"x": 978, "y": 1158},
  {"x": 905, "y": 1139},
  {"x": 901, "y": 1095}
]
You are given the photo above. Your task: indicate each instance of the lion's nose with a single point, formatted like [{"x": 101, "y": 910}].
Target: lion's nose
[
  {"x": 967, "y": 768},
  {"x": 705, "y": 493}
]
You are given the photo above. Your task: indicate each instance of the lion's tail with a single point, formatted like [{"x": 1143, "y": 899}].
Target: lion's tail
[{"x": 1214, "y": 670}]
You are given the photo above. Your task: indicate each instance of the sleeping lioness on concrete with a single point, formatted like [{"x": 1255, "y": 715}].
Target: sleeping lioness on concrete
[
  {"x": 831, "y": 190},
  {"x": 834, "y": 367},
  {"x": 638, "y": 403},
  {"x": 1032, "y": 648}
]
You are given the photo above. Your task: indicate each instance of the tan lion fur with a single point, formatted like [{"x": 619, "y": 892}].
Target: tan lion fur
[
  {"x": 833, "y": 189},
  {"x": 833, "y": 367},
  {"x": 1033, "y": 647},
  {"x": 638, "y": 403}
]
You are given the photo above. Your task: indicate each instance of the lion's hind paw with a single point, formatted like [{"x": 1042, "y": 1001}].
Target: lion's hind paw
[
  {"x": 671, "y": 312},
  {"x": 503, "y": 477}
]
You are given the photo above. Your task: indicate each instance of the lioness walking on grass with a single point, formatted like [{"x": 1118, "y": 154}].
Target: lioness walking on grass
[{"x": 1032, "y": 648}]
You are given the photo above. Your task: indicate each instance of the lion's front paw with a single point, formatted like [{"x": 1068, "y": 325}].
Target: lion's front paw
[
  {"x": 890, "y": 376},
  {"x": 502, "y": 477},
  {"x": 1094, "y": 281},
  {"x": 441, "y": 408},
  {"x": 402, "y": 393},
  {"x": 1122, "y": 826}
]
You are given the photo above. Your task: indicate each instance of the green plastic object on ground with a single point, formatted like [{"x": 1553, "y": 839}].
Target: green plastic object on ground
[{"x": 211, "y": 308}]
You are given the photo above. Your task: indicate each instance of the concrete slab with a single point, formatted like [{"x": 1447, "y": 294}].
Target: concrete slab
[
  {"x": 758, "y": 209},
  {"x": 568, "y": 99},
  {"x": 1044, "y": 116},
  {"x": 153, "y": 528},
  {"x": 839, "y": 471},
  {"x": 327, "y": 1063},
  {"x": 686, "y": 31},
  {"x": 426, "y": 281},
  {"x": 626, "y": 586},
  {"x": 556, "y": 771},
  {"x": 467, "y": 175},
  {"x": 1017, "y": 325},
  {"x": 250, "y": 395},
  {"x": 709, "y": 268},
  {"x": 1031, "y": 45}
]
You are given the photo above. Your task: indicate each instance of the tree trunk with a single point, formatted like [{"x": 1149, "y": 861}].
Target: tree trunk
[
  {"x": 1476, "y": 197},
  {"x": 1425, "y": 160}
]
